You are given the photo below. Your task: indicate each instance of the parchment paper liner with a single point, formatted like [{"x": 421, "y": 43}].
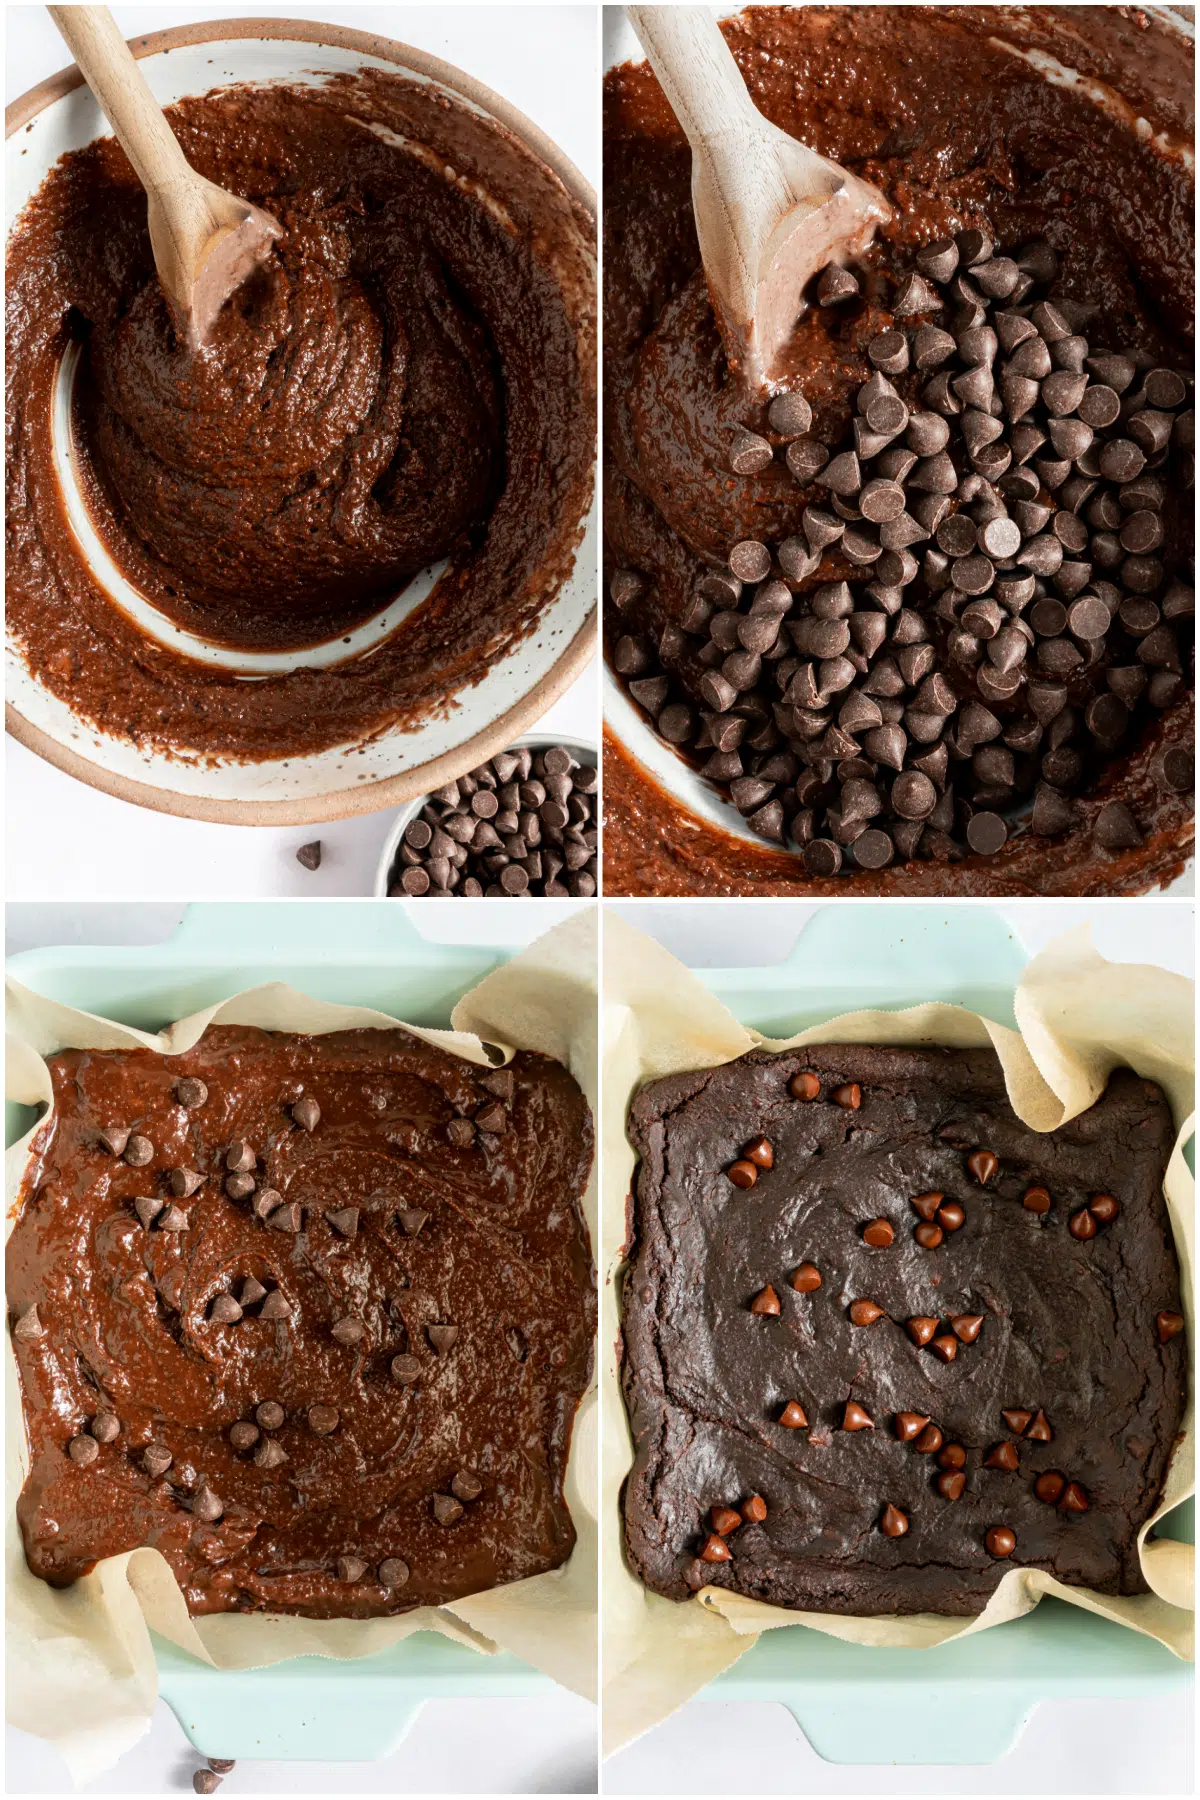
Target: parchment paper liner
[
  {"x": 1079, "y": 1017},
  {"x": 81, "y": 1669}
]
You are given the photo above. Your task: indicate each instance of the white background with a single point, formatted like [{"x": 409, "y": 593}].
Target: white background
[{"x": 543, "y": 59}]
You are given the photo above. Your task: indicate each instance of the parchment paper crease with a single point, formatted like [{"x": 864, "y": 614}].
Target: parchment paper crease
[
  {"x": 81, "y": 1670},
  {"x": 1079, "y": 1017}
]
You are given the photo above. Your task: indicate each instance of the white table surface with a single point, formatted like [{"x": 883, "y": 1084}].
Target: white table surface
[
  {"x": 543, "y": 59},
  {"x": 1134, "y": 1746}
]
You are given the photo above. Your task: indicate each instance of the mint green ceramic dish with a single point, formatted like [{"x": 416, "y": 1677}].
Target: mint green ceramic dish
[
  {"x": 860, "y": 1705},
  {"x": 360, "y": 954}
]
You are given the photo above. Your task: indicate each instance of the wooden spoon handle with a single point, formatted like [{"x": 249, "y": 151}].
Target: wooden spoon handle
[
  {"x": 107, "y": 64},
  {"x": 695, "y": 69}
]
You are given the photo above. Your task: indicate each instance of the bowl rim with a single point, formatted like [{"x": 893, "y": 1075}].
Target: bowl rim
[
  {"x": 583, "y": 749},
  {"x": 575, "y": 655}
]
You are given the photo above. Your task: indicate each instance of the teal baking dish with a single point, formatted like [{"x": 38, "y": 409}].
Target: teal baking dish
[
  {"x": 853, "y": 1703},
  {"x": 310, "y": 1707}
]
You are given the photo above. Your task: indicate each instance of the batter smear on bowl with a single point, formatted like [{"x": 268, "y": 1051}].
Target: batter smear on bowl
[
  {"x": 924, "y": 615},
  {"x": 407, "y": 379},
  {"x": 311, "y": 1316}
]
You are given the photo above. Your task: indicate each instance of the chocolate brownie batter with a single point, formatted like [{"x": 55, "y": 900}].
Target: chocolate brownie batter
[
  {"x": 948, "y": 112},
  {"x": 408, "y": 378},
  {"x": 875, "y": 1328},
  {"x": 309, "y": 1315}
]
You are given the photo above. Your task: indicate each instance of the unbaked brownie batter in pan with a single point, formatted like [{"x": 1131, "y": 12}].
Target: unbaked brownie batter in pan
[
  {"x": 883, "y": 1342},
  {"x": 309, "y": 1315},
  {"x": 409, "y": 378},
  {"x": 924, "y": 616}
]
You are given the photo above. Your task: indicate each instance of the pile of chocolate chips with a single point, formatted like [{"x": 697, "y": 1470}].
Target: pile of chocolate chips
[
  {"x": 985, "y": 616},
  {"x": 524, "y": 823}
]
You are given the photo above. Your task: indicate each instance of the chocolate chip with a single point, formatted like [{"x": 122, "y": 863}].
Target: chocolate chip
[
  {"x": 743, "y": 1174},
  {"x": 951, "y": 1485},
  {"x": 793, "y": 1416},
  {"x": 806, "y": 1279},
  {"x": 893, "y": 1523},
  {"x": 749, "y": 454},
  {"x": 879, "y": 1234},
  {"x": 173, "y": 1219},
  {"x": 789, "y": 415},
  {"x": 921, "y": 1329},
  {"x": 854, "y": 1418},
  {"x": 1049, "y": 1486},
  {"x": 1082, "y": 1225},
  {"x": 442, "y": 1337},
  {"x": 446, "y": 1509},
  {"x": 306, "y": 1113},
  {"x": 928, "y": 1441},
  {"x": 350, "y": 1569},
  {"x": 1169, "y": 1325},
  {"x": 750, "y": 560},
  {"x": 939, "y": 260},
  {"x": 344, "y": 1221},
  {"x": 243, "y": 1435},
  {"x": 1073, "y": 1499},
  {"x": 492, "y": 1118},
  {"x": 349, "y": 1331},
  {"x": 983, "y": 1164},
  {"x": 286, "y": 1218},
  {"x": 910, "y": 1426},
  {"x": 270, "y": 1415},
  {"x": 207, "y": 1505},
  {"x": 849, "y": 1094},
  {"x": 945, "y": 1345},
  {"x": 952, "y": 1456},
  {"x": 865, "y": 1312},
  {"x": 1000, "y": 1541},
  {"x": 805, "y": 458},
  {"x": 987, "y": 833},
  {"x": 309, "y": 855},
  {"x": 1116, "y": 828},
  {"x": 765, "y": 1303},
  {"x": 83, "y": 1449},
  {"x": 715, "y": 1550},
  {"x": 835, "y": 285},
  {"x": 405, "y": 1370},
  {"x": 1036, "y": 1200},
  {"x": 138, "y": 1152},
  {"x": 274, "y": 1307},
  {"x": 966, "y": 1326},
  {"x": 322, "y": 1420},
  {"x": 392, "y": 1572},
  {"x": 224, "y": 1310},
  {"x": 1002, "y": 1456},
  {"x": 205, "y": 1781},
  {"x": 191, "y": 1092},
  {"x": 239, "y": 1187}
]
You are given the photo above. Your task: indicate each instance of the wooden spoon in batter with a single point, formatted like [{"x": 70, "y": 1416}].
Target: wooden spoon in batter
[
  {"x": 205, "y": 241},
  {"x": 769, "y": 211}
]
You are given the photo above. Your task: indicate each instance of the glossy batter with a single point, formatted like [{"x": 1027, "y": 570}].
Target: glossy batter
[
  {"x": 955, "y": 127},
  {"x": 404, "y": 1282},
  {"x": 408, "y": 378}
]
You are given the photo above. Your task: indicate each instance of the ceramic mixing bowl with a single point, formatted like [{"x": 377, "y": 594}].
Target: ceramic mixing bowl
[{"x": 60, "y": 115}]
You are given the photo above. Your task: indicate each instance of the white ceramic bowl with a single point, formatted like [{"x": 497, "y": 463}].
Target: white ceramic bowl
[
  {"x": 587, "y": 754},
  {"x": 60, "y": 115}
]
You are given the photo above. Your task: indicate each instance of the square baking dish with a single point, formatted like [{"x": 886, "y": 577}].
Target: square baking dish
[
  {"x": 856, "y": 1704},
  {"x": 310, "y": 1707}
]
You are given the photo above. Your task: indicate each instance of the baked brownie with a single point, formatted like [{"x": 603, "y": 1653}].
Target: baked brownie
[
  {"x": 883, "y": 1342},
  {"x": 309, "y": 1315}
]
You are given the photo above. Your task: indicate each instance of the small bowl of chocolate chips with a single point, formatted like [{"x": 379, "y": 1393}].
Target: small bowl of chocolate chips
[{"x": 523, "y": 825}]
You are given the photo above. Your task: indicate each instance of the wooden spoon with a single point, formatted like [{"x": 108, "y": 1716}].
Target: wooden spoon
[
  {"x": 769, "y": 211},
  {"x": 205, "y": 241}
]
